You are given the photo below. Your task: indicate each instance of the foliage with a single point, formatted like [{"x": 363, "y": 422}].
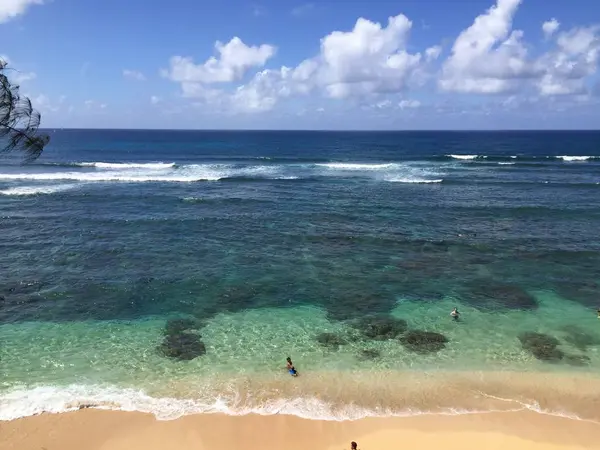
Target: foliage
[{"x": 19, "y": 122}]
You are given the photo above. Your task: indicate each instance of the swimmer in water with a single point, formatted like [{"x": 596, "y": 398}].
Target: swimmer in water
[
  {"x": 290, "y": 367},
  {"x": 455, "y": 314},
  {"x": 353, "y": 446}
]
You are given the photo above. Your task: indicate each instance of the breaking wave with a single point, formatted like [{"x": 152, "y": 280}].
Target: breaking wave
[
  {"x": 25, "y": 402},
  {"x": 36, "y": 190},
  {"x": 518, "y": 158},
  {"x": 90, "y": 172}
]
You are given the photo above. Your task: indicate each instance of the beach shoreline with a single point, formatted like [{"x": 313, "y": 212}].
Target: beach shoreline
[
  {"x": 116, "y": 430},
  {"x": 328, "y": 396}
]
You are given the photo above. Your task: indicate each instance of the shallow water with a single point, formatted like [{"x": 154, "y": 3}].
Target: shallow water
[{"x": 268, "y": 240}]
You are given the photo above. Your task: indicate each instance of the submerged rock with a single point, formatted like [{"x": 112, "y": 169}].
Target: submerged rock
[
  {"x": 331, "y": 341},
  {"x": 577, "y": 360},
  {"x": 176, "y": 326},
  {"x": 486, "y": 294},
  {"x": 354, "y": 306},
  {"x": 419, "y": 341},
  {"x": 183, "y": 346},
  {"x": 585, "y": 293},
  {"x": 541, "y": 346},
  {"x": 579, "y": 338},
  {"x": 381, "y": 328},
  {"x": 369, "y": 353}
]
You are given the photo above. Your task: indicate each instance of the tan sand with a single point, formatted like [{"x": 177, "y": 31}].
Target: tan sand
[{"x": 113, "y": 430}]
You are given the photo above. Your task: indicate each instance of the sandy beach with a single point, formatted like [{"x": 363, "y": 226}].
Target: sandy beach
[{"x": 114, "y": 430}]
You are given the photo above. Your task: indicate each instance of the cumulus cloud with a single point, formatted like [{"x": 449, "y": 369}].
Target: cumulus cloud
[
  {"x": 490, "y": 57},
  {"x": 550, "y": 27},
  {"x": 487, "y": 56},
  {"x": 9, "y": 9},
  {"x": 234, "y": 60},
  {"x": 134, "y": 75},
  {"x": 371, "y": 63},
  {"x": 566, "y": 69},
  {"x": 370, "y": 59}
]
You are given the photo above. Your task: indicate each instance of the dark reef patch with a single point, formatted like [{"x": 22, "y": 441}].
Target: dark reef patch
[
  {"x": 176, "y": 326},
  {"x": 331, "y": 341},
  {"x": 487, "y": 294},
  {"x": 580, "y": 339},
  {"x": 348, "y": 306},
  {"x": 577, "y": 360},
  {"x": 369, "y": 354},
  {"x": 541, "y": 346},
  {"x": 381, "y": 327},
  {"x": 182, "y": 346},
  {"x": 423, "y": 342}
]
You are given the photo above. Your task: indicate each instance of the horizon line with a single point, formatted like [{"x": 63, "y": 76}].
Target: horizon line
[{"x": 271, "y": 130}]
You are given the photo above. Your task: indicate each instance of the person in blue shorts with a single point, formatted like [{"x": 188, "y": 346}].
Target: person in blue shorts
[{"x": 290, "y": 367}]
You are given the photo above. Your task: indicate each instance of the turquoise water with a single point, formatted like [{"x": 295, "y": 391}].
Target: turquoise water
[{"x": 265, "y": 241}]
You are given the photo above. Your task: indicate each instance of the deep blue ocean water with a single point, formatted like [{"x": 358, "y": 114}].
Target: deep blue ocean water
[{"x": 268, "y": 240}]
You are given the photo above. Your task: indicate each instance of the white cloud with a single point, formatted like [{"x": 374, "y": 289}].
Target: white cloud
[
  {"x": 409, "y": 104},
  {"x": 9, "y": 9},
  {"x": 433, "y": 53},
  {"x": 15, "y": 75},
  {"x": 487, "y": 56},
  {"x": 490, "y": 57},
  {"x": 44, "y": 104},
  {"x": 235, "y": 58},
  {"x": 302, "y": 10},
  {"x": 550, "y": 27},
  {"x": 370, "y": 64},
  {"x": 155, "y": 100},
  {"x": 567, "y": 68},
  {"x": 21, "y": 77},
  {"x": 94, "y": 105},
  {"x": 383, "y": 104},
  {"x": 370, "y": 59},
  {"x": 134, "y": 75}
]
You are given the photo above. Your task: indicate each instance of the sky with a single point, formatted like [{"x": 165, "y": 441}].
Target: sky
[{"x": 336, "y": 64}]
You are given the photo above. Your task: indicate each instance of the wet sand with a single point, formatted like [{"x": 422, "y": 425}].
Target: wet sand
[{"x": 115, "y": 430}]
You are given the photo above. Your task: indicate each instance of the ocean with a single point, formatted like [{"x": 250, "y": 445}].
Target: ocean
[{"x": 173, "y": 272}]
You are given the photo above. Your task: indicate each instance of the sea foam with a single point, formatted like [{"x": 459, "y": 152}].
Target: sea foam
[{"x": 23, "y": 402}]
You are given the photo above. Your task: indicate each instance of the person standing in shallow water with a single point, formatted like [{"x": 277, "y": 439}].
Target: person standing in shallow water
[
  {"x": 455, "y": 314},
  {"x": 290, "y": 367}
]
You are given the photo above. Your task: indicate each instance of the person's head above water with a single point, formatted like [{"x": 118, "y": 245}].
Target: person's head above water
[{"x": 353, "y": 445}]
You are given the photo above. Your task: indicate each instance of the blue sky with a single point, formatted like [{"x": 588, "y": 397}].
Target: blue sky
[{"x": 428, "y": 64}]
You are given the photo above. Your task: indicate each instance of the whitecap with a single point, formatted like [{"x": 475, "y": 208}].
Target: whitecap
[
  {"x": 356, "y": 166},
  {"x": 465, "y": 157},
  {"x": 37, "y": 190},
  {"x": 575, "y": 158}
]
